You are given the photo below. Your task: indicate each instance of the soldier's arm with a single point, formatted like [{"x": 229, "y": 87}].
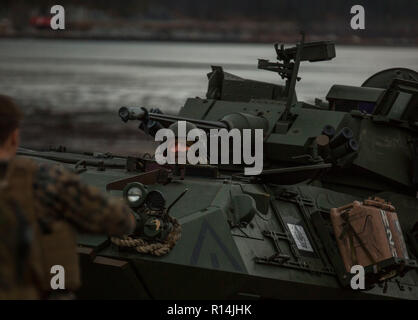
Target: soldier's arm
[{"x": 62, "y": 195}]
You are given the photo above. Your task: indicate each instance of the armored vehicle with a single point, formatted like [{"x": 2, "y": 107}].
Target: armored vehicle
[{"x": 211, "y": 232}]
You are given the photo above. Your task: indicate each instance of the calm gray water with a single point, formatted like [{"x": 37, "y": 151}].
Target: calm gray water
[{"x": 103, "y": 75}]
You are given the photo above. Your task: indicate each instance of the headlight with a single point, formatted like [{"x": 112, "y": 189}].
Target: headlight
[{"x": 135, "y": 194}]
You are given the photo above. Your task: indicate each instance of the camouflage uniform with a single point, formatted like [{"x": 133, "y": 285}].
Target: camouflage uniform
[
  {"x": 40, "y": 208},
  {"x": 61, "y": 195}
]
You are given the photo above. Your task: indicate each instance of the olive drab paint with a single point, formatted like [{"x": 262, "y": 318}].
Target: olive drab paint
[{"x": 267, "y": 235}]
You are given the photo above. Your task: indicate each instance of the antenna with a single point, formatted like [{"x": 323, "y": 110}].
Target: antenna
[
  {"x": 291, "y": 85},
  {"x": 177, "y": 199}
]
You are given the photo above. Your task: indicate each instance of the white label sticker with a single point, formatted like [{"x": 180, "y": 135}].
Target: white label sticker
[
  {"x": 300, "y": 237},
  {"x": 388, "y": 233},
  {"x": 401, "y": 240}
]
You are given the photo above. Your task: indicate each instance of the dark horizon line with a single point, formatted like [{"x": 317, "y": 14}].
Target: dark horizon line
[{"x": 363, "y": 42}]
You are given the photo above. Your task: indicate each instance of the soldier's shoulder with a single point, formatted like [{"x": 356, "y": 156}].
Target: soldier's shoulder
[
  {"x": 52, "y": 172},
  {"x": 24, "y": 163}
]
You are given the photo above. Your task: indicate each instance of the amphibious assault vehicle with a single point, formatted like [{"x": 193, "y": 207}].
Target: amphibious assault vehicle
[{"x": 211, "y": 232}]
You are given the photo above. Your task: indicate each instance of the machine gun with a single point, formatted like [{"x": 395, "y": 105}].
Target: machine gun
[
  {"x": 156, "y": 120},
  {"x": 289, "y": 67}
]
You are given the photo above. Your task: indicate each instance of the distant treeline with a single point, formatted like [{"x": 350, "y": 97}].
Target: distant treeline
[
  {"x": 390, "y": 22},
  {"x": 297, "y": 10}
]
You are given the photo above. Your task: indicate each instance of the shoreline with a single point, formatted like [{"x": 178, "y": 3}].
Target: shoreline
[{"x": 354, "y": 43}]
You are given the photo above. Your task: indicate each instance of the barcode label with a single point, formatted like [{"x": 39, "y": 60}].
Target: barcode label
[{"x": 300, "y": 237}]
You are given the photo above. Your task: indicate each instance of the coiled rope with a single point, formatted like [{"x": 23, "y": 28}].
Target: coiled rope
[{"x": 146, "y": 247}]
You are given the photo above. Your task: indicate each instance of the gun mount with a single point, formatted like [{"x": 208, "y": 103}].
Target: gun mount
[{"x": 290, "y": 59}]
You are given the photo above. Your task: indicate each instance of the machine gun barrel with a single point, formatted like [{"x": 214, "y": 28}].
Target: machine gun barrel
[{"x": 142, "y": 114}]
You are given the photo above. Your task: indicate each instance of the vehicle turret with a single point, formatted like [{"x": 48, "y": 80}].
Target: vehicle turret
[{"x": 341, "y": 132}]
